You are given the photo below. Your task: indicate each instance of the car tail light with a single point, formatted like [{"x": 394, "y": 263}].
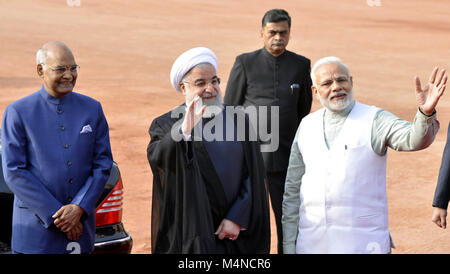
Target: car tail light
[{"x": 110, "y": 210}]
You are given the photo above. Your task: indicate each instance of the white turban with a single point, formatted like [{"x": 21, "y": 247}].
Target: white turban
[{"x": 189, "y": 59}]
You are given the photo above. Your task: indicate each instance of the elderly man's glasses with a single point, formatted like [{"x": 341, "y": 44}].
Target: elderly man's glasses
[
  {"x": 201, "y": 83},
  {"x": 60, "y": 70}
]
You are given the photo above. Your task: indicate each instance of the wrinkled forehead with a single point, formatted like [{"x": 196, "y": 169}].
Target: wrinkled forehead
[
  {"x": 282, "y": 27},
  {"x": 331, "y": 71}
]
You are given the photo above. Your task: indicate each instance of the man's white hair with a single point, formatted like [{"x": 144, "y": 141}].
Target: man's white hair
[
  {"x": 41, "y": 57},
  {"x": 325, "y": 61}
]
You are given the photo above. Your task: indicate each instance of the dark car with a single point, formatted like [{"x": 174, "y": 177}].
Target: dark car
[{"x": 110, "y": 234}]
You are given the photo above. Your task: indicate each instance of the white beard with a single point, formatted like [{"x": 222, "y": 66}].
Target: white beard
[{"x": 338, "y": 105}]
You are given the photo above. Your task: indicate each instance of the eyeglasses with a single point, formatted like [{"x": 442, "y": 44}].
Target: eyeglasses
[
  {"x": 60, "y": 70},
  {"x": 201, "y": 83}
]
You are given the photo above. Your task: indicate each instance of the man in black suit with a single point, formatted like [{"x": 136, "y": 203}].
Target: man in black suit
[
  {"x": 274, "y": 77},
  {"x": 442, "y": 192}
]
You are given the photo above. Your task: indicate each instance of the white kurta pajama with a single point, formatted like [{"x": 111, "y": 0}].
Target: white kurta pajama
[{"x": 335, "y": 197}]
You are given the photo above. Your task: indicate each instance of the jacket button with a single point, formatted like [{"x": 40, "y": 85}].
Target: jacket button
[
  {"x": 69, "y": 199},
  {"x": 66, "y": 146},
  {"x": 70, "y": 181},
  {"x": 59, "y": 111},
  {"x": 62, "y": 128},
  {"x": 69, "y": 163}
]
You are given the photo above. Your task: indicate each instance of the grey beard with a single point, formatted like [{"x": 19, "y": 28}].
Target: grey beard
[{"x": 213, "y": 106}]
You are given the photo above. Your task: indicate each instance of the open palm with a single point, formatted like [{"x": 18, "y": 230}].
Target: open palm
[
  {"x": 193, "y": 115},
  {"x": 428, "y": 96}
]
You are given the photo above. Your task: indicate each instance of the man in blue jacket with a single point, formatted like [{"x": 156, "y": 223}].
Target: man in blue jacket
[{"x": 56, "y": 159}]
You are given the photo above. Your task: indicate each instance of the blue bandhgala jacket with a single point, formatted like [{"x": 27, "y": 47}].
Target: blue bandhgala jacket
[{"x": 55, "y": 151}]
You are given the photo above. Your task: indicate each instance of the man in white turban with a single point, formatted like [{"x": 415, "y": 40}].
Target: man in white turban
[
  {"x": 189, "y": 59},
  {"x": 211, "y": 99},
  {"x": 209, "y": 195}
]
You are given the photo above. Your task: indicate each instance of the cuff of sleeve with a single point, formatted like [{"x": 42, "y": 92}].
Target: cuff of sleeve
[
  {"x": 440, "y": 204},
  {"x": 46, "y": 219},
  {"x": 87, "y": 210},
  {"x": 427, "y": 117},
  {"x": 186, "y": 137},
  {"x": 289, "y": 248},
  {"x": 236, "y": 221},
  {"x": 188, "y": 145}
]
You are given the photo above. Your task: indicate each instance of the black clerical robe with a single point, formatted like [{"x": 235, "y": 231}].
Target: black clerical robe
[
  {"x": 260, "y": 79},
  {"x": 189, "y": 200}
]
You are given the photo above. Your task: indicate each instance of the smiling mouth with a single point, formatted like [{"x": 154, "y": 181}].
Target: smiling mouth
[
  {"x": 208, "y": 98},
  {"x": 65, "y": 86},
  {"x": 338, "y": 96}
]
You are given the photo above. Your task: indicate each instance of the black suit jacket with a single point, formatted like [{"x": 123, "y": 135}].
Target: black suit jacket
[
  {"x": 258, "y": 78},
  {"x": 442, "y": 192}
]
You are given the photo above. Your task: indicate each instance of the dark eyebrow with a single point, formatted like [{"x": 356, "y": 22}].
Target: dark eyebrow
[
  {"x": 278, "y": 31},
  {"x": 199, "y": 80},
  {"x": 61, "y": 66},
  {"x": 203, "y": 80}
]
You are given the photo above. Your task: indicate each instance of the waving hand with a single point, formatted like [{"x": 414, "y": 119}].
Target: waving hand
[{"x": 428, "y": 96}]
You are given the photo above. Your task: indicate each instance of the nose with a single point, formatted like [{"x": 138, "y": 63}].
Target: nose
[
  {"x": 209, "y": 87},
  {"x": 67, "y": 74},
  {"x": 277, "y": 36},
  {"x": 336, "y": 86},
  {"x": 208, "y": 91}
]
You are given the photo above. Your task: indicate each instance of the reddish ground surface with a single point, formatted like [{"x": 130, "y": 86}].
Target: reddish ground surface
[{"x": 126, "y": 49}]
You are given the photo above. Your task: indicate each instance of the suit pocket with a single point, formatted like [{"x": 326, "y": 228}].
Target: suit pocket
[
  {"x": 368, "y": 216},
  {"x": 20, "y": 204},
  {"x": 368, "y": 220},
  {"x": 85, "y": 143}
]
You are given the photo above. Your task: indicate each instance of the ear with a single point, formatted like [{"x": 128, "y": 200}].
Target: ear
[
  {"x": 40, "y": 70},
  {"x": 351, "y": 81},
  {"x": 314, "y": 89},
  {"x": 261, "y": 32},
  {"x": 183, "y": 88}
]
